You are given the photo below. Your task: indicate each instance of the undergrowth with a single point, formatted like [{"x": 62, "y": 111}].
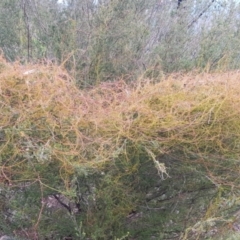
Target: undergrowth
[{"x": 95, "y": 146}]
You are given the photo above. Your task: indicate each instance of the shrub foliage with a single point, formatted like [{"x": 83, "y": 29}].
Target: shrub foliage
[{"x": 76, "y": 163}]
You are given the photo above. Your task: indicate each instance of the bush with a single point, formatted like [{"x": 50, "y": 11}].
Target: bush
[{"x": 86, "y": 160}]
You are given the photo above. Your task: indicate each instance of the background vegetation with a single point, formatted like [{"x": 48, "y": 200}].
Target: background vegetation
[
  {"x": 104, "y": 40},
  {"x": 119, "y": 119}
]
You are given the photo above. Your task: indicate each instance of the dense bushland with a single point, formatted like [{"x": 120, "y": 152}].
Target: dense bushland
[
  {"x": 83, "y": 163},
  {"x": 104, "y": 40},
  {"x": 119, "y": 119}
]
